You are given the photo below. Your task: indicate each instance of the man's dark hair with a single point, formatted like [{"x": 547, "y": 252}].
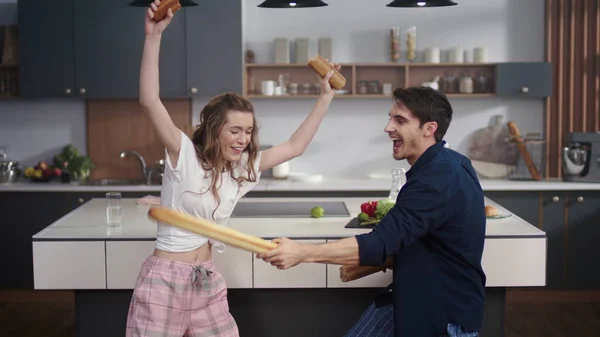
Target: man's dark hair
[{"x": 428, "y": 105}]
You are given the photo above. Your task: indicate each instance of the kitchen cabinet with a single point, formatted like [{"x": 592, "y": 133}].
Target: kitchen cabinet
[
  {"x": 70, "y": 49},
  {"x": 553, "y": 223},
  {"x": 214, "y": 49},
  {"x": 524, "y": 79},
  {"x": 27, "y": 213},
  {"x": 581, "y": 246},
  {"x": 108, "y": 52},
  {"x": 46, "y": 50}
]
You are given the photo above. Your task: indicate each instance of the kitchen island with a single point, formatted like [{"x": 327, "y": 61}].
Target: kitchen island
[{"x": 79, "y": 252}]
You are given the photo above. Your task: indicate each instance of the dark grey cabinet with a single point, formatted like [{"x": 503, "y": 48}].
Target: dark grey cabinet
[
  {"x": 46, "y": 55},
  {"x": 524, "y": 79},
  {"x": 93, "y": 49},
  {"x": 583, "y": 232},
  {"x": 109, "y": 39},
  {"x": 553, "y": 223},
  {"x": 28, "y": 213},
  {"x": 214, "y": 47}
]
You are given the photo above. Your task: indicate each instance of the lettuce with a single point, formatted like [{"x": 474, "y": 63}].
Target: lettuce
[{"x": 383, "y": 207}]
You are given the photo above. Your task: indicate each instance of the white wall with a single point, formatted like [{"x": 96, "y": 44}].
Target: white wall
[{"x": 351, "y": 140}]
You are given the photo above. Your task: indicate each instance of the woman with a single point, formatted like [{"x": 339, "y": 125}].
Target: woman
[{"x": 178, "y": 291}]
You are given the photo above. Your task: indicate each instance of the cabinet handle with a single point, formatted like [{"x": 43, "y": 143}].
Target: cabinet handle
[
  {"x": 82, "y": 91},
  {"x": 579, "y": 199},
  {"x": 555, "y": 199},
  {"x": 525, "y": 89},
  {"x": 193, "y": 90},
  {"x": 67, "y": 91},
  {"x": 80, "y": 200}
]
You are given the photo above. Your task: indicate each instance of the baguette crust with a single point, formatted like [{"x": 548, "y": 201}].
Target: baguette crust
[
  {"x": 163, "y": 8},
  {"x": 206, "y": 228},
  {"x": 321, "y": 67}
]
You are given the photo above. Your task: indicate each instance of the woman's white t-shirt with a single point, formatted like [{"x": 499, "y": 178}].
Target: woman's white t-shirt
[{"x": 186, "y": 188}]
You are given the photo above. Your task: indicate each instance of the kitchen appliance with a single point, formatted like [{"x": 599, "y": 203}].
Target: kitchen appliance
[
  {"x": 581, "y": 157},
  {"x": 288, "y": 209},
  {"x": 10, "y": 170}
]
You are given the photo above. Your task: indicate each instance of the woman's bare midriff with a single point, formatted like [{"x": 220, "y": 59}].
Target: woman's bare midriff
[{"x": 199, "y": 255}]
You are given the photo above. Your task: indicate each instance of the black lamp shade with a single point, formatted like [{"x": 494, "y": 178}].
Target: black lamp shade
[
  {"x": 292, "y": 4},
  {"x": 421, "y": 3},
  {"x": 146, "y": 3}
]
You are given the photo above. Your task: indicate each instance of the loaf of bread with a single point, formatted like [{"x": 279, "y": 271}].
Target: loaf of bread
[
  {"x": 491, "y": 211},
  {"x": 163, "y": 8},
  {"x": 206, "y": 228},
  {"x": 322, "y": 67}
]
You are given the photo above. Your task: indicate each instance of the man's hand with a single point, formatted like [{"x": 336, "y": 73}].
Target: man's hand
[{"x": 288, "y": 253}]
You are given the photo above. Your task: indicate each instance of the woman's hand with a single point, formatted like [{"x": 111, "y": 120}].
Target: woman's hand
[
  {"x": 153, "y": 27},
  {"x": 326, "y": 90}
]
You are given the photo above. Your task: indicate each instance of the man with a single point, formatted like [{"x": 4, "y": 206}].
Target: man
[{"x": 435, "y": 233}]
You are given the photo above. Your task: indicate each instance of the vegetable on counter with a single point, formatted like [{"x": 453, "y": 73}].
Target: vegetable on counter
[
  {"x": 373, "y": 211},
  {"x": 79, "y": 166}
]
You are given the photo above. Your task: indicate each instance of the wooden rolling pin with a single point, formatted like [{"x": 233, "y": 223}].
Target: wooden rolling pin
[
  {"x": 206, "y": 228},
  {"x": 351, "y": 273},
  {"x": 514, "y": 131},
  {"x": 322, "y": 67}
]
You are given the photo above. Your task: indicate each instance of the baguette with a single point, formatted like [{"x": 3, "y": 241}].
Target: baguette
[
  {"x": 204, "y": 227},
  {"x": 163, "y": 8},
  {"x": 351, "y": 273},
  {"x": 322, "y": 67},
  {"x": 514, "y": 131}
]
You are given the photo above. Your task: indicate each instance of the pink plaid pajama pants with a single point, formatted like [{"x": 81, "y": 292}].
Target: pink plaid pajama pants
[{"x": 175, "y": 299}]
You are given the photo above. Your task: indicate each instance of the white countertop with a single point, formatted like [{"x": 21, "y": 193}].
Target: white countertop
[
  {"x": 88, "y": 223},
  {"x": 327, "y": 184}
]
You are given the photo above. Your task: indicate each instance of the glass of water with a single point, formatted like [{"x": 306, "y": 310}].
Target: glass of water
[{"x": 113, "y": 209}]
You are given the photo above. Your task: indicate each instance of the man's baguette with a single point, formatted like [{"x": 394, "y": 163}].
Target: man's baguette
[
  {"x": 351, "y": 273},
  {"x": 321, "y": 67},
  {"x": 163, "y": 8}
]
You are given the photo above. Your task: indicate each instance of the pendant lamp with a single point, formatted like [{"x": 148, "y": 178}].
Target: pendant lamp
[
  {"x": 421, "y": 3},
  {"x": 146, "y": 3},
  {"x": 292, "y": 4}
]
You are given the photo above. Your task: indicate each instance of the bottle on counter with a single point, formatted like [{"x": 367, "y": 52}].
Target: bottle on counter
[
  {"x": 65, "y": 176},
  {"x": 398, "y": 180}
]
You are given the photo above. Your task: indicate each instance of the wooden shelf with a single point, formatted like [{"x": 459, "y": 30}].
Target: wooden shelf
[{"x": 399, "y": 75}]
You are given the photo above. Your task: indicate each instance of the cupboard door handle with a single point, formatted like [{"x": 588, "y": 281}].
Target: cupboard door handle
[
  {"x": 555, "y": 199},
  {"x": 80, "y": 200},
  {"x": 67, "y": 91},
  {"x": 194, "y": 90},
  {"x": 82, "y": 90},
  {"x": 525, "y": 89},
  {"x": 579, "y": 199}
]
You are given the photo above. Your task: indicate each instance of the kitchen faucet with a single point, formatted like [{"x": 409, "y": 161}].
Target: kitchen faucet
[{"x": 145, "y": 171}]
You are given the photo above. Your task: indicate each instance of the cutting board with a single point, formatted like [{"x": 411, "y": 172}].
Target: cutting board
[{"x": 355, "y": 224}]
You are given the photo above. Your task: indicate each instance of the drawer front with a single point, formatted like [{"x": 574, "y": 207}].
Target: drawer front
[
  {"x": 377, "y": 280},
  {"x": 515, "y": 262},
  {"x": 307, "y": 275},
  {"x": 69, "y": 265},
  {"x": 123, "y": 262},
  {"x": 236, "y": 267}
]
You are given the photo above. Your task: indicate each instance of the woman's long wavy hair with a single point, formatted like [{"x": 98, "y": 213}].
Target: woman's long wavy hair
[{"x": 206, "y": 141}]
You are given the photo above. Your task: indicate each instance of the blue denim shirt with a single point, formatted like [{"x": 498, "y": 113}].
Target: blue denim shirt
[{"x": 436, "y": 233}]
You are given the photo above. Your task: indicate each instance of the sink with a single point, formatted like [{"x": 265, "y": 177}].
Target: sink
[{"x": 113, "y": 182}]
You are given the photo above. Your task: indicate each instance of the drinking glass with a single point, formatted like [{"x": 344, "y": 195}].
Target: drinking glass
[{"x": 113, "y": 209}]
